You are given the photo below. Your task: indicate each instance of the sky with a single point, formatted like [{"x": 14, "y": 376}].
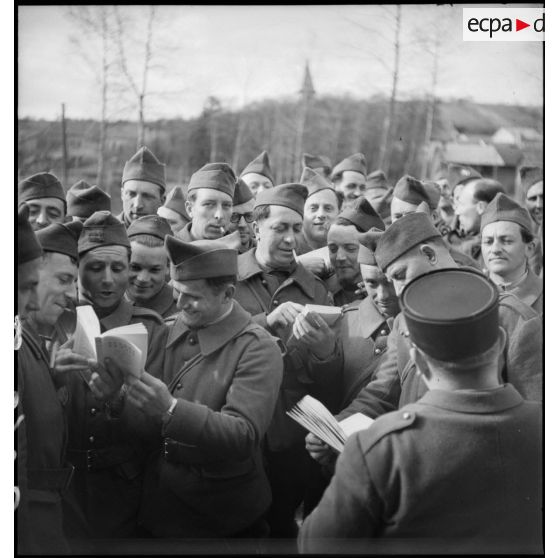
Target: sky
[{"x": 243, "y": 54}]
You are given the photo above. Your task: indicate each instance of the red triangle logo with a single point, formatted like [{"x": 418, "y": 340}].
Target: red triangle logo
[{"x": 519, "y": 25}]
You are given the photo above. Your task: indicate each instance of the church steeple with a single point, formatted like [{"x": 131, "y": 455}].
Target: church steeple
[{"x": 307, "y": 91}]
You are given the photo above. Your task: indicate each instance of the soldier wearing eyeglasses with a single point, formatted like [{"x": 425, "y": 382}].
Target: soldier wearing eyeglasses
[{"x": 242, "y": 217}]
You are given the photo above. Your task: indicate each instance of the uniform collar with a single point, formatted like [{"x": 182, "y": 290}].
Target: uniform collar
[
  {"x": 160, "y": 303},
  {"x": 216, "y": 335},
  {"x": 248, "y": 267},
  {"x": 370, "y": 318},
  {"x": 529, "y": 288},
  {"x": 474, "y": 401}
]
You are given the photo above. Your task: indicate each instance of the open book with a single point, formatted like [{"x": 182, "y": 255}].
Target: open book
[
  {"x": 330, "y": 314},
  {"x": 313, "y": 416},
  {"x": 126, "y": 345}
]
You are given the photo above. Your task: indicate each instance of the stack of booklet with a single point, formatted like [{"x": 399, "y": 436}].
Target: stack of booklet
[
  {"x": 126, "y": 345},
  {"x": 313, "y": 416}
]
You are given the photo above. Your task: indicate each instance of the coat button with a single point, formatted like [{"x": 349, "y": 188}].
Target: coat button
[
  {"x": 264, "y": 282},
  {"x": 383, "y": 332},
  {"x": 91, "y": 439},
  {"x": 406, "y": 333},
  {"x": 192, "y": 340},
  {"x": 275, "y": 303},
  {"x": 406, "y": 416},
  {"x": 377, "y": 351},
  {"x": 93, "y": 411},
  {"x": 178, "y": 386}
]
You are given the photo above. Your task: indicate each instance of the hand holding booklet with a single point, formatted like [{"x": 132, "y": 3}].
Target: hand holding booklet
[
  {"x": 126, "y": 345},
  {"x": 330, "y": 314},
  {"x": 313, "y": 415}
]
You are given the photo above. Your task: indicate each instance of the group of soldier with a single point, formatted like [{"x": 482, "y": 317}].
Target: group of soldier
[{"x": 439, "y": 341}]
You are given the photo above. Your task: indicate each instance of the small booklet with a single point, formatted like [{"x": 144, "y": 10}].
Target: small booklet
[
  {"x": 314, "y": 416},
  {"x": 330, "y": 314},
  {"x": 126, "y": 345}
]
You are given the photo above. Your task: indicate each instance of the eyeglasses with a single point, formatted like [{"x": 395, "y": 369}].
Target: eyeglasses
[{"x": 248, "y": 217}]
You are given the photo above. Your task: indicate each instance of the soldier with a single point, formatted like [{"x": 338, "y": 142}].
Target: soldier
[
  {"x": 83, "y": 200},
  {"x": 274, "y": 289},
  {"x": 342, "y": 242},
  {"x": 414, "y": 473},
  {"x": 349, "y": 177},
  {"x": 45, "y": 197},
  {"x": 410, "y": 247},
  {"x": 41, "y": 472},
  {"x": 318, "y": 163},
  {"x": 209, "y": 203},
  {"x": 149, "y": 266},
  {"x": 143, "y": 186},
  {"x": 320, "y": 209},
  {"x": 219, "y": 385},
  {"x": 106, "y": 436},
  {"x": 470, "y": 204},
  {"x": 174, "y": 210},
  {"x": 242, "y": 217},
  {"x": 507, "y": 244},
  {"x": 408, "y": 194},
  {"x": 257, "y": 174},
  {"x": 47, "y": 475},
  {"x": 533, "y": 187}
]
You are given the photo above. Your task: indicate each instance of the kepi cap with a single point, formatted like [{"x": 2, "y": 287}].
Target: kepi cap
[
  {"x": 451, "y": 314},
  {"x": 201, "y": 259}
]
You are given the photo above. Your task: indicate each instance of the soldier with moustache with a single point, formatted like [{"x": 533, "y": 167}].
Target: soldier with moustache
[
  {"x": 408, "y": 248},
  {"x": 212, "y": 403},
  {"x": 507, "y": 244},
  {"x": 107, "y": 439},
  {"x": 149, "y": 266},
  {"x": 273, "y": 288},
  {"x": 44, "y": 195},
  {"x": 43, "y": 471},
  {"x": 143, "y": 186}
]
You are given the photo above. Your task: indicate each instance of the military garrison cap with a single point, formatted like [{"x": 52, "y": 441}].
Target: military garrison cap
[
  {"x": 83, "y": 200},
  {"x": 401, "y": 236},
  {"x": 242, "y": 193},
  {"x": 102, "y": 229},
  {"x": 292, "y": 196},
  {"x": 362, "y": 215},
  {"x": 260, "y": 165},
  {"x": 530, "y": 176},
  {"x": 40, "y": 185},
  {"x": 414, "y": 191},
  {"x": 145, "y": 166},
  {"x": 152, "y": 225},
  {"x": 316, "y": 162},
  {"x": 458, "y": 174},
  {"x": 376, "y": 179},
  {"x": 28, "y": 247},
  {"x": 503, "y": 208},
  {"x": 175, "y": 201},
  {"x": 355, "y": 162},
  {"x": 368, "y": 242},
  {"x": 314, "y": 182},
  {"x": 451, "y": 314},
  {"x": 61, "y": 238},
  {"x": 201, "y": 259},
  {"x": 214, "y": 176}
]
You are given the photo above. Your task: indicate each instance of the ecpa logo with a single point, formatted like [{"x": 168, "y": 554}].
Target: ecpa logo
[{"x": 503, "y": 24}]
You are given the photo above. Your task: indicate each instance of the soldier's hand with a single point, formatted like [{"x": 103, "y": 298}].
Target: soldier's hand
[
  {"x": 284, "y": 315},
  {"x": 319, "y": 450},
  {"x": 314, "y": 264},
  {"x": 106, "y": 380},
  {"x": 313, "y": 331},
  {"x": 150, "y": 395},
  {"x": 361, "y": 290},
  {"x": 65, "y": 360}
]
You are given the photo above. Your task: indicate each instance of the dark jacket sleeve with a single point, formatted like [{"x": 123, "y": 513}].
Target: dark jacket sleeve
[
  {"x": 350, "y": 507},
  {"x": 235, "y": 430}
]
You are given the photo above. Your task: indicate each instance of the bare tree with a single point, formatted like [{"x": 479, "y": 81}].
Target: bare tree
[{"x": 137, "y": 86}]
